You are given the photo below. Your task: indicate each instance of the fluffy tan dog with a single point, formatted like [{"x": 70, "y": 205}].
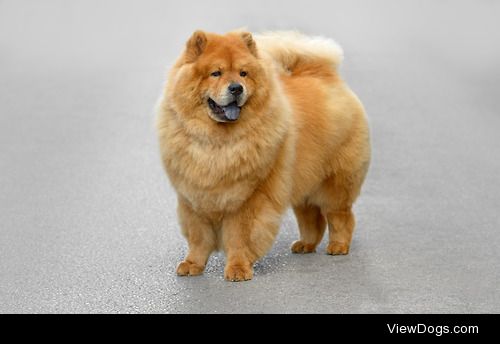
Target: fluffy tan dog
[{"x": 250, "y": 126}]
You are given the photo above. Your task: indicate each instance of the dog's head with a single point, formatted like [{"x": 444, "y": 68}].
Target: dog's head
[{"x": 219, "y": 76}]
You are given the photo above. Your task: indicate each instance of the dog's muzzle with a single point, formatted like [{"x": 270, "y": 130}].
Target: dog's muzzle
[{"x": 228, "y": 113}]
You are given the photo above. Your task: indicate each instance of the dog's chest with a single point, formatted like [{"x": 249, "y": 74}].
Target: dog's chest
[
  {"x": 224, "y": 199},
  {"x": 215, "y": 179}
]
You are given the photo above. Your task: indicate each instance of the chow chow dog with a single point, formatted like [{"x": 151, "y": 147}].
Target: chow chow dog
[{"x": 251, "y": 125}]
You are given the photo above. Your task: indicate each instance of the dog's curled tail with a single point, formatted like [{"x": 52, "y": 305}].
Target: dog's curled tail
[{"x": 298, "y": 54}]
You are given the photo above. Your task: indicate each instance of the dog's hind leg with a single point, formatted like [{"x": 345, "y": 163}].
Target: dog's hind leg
[
  {"x": 342, "y": 190},
  {"x": 312, "y": 225},
  {"x": 341, "y": 225}
]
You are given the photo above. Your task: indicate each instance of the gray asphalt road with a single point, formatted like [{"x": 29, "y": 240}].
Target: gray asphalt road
[{"x": 87, "y": 218}]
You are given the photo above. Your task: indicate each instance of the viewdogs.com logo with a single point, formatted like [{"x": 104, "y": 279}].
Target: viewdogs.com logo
[{"x": 432, "y": 330}]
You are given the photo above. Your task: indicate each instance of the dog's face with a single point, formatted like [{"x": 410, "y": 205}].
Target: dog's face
[{"x": 222, "y": 75}]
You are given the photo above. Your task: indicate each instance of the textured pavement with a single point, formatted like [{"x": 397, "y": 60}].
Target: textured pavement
[{"x": 87, "y": 217}]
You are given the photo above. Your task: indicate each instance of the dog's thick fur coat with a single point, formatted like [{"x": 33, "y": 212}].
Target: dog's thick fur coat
[{"x": 302, "y": 140}]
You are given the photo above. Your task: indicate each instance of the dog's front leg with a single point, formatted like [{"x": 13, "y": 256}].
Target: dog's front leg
[
  {"x": 248, "y": 234},
  {"x": 201, "y": 238}
]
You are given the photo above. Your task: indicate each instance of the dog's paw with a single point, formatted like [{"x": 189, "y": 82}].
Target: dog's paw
[
  {"x": 238, "y": 273},
  {"x": 190, "y": 269},
  {"x": 337, "y": 249},
  {"x": 299, "y": 247}
]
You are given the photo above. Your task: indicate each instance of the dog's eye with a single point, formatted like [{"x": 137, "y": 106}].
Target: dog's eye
[
  {"x": 216, "y": 74},
  {"x": 243, "y": 74}
]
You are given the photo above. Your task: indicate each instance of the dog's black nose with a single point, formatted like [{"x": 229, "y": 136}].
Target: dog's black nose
[{"x": 235, "y": 89}]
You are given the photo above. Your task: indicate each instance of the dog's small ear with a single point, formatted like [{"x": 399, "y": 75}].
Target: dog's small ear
[
  {"x": 195, "y": 46},
  {"x": 249, "y": 41}
]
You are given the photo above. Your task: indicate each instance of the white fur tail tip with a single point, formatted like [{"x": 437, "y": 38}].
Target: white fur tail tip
[{"x": 286, "y": 45}]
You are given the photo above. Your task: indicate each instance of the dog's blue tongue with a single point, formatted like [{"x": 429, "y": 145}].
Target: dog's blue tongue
[{"x": 232, "y": 112}]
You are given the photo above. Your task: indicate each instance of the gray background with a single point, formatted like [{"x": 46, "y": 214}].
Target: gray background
[{"x": 87, "y": 217}]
